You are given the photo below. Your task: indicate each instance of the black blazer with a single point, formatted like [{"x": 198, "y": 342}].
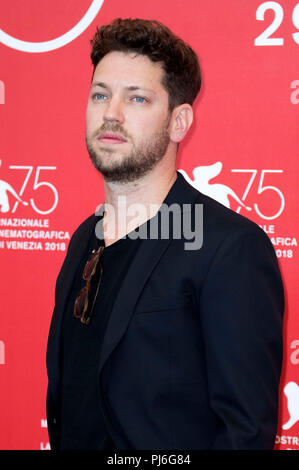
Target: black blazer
[{"x": 192, "y": 354}]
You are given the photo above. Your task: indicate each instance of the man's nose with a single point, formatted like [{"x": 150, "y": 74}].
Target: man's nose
[{"x": 114, "y": 111}]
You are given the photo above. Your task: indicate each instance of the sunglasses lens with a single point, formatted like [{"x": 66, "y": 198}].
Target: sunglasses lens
[
  {"x": 91, "y": 265},
  {"x": 80, "y": 304}
]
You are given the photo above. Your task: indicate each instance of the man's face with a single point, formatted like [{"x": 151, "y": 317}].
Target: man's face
[{"x": 127, "y": 116}]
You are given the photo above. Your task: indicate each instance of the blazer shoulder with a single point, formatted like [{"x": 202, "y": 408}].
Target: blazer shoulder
[
  {"x": 86, "y": 224},
  {"x": 223, "y": 227},
  {"x": 82, "y": 233},
  {"x": 215, "y": 215},
  {"x": 225, "y": 221}
]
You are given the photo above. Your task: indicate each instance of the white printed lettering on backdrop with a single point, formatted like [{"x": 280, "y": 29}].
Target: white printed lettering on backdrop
[
  {"x": 264, "y": 38},
  {"x": 27, "y": 236},
  {"x": 294, "y": 98}
]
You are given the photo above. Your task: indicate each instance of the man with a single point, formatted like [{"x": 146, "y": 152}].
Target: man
[{"x": 156, "y": 343}]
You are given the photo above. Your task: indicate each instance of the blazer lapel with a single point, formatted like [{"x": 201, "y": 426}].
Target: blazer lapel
[{"x": 143, "y": 264}]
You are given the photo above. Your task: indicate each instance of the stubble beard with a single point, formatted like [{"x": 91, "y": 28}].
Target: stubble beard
[{"x": 142, "y": 159}]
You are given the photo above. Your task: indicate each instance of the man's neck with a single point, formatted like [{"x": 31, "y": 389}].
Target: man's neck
[{"x": 129, "y": 205}]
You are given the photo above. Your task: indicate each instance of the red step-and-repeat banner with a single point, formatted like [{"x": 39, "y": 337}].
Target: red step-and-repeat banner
[{"x": 242, "y": 150}]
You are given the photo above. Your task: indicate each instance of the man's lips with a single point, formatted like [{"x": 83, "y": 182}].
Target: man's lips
[{"x": 111, "y": 138}]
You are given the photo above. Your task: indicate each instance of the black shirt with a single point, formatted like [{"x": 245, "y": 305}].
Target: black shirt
[{"x": 82, "y": 424}]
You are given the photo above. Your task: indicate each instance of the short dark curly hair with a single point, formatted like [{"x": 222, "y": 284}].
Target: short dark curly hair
[{"x": 182, "y": 75}]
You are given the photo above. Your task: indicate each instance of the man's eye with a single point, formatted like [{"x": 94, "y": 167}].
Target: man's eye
[
  {"x": 139, "y": 99},
  {"x": 99, "y": 96}
]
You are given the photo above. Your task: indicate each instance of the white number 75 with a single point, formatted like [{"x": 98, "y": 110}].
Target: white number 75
[
  {"x": 36, "y": 185},
  {"x": 262, "y": 189}
]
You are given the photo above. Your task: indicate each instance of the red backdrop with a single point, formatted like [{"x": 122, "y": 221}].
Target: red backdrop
[{"x": 246, "y": 120}]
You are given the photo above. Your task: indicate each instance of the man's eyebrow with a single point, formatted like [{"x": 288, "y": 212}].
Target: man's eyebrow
[
  {"x": 129, "y": 88},
  {"x": 100, "y": 84},
  {"x": 135, "y": 87}
]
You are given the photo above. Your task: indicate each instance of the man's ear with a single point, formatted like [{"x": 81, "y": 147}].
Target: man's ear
[{"x": 181, "y": 120}]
